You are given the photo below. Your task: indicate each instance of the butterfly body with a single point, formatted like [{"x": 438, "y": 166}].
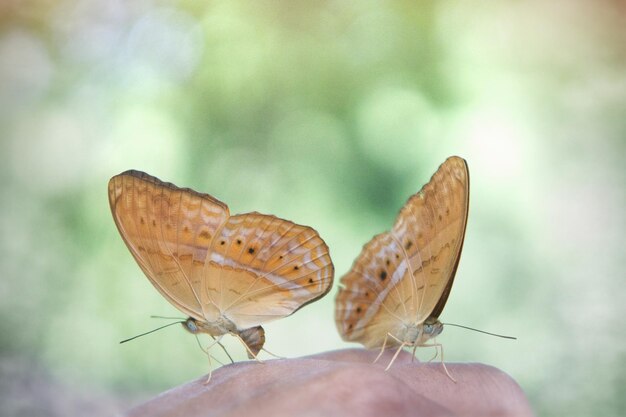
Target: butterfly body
[
  {"x": 419, "y": 333},
  {"x": 399, "y": 284},
  {"x": 254, "y": 337},
  {"x": 219, "y": 327},
  {"x": 228, "y": 274}
]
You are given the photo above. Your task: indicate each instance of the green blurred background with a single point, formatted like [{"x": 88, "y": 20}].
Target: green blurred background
[{"x": 329, "y": 114}]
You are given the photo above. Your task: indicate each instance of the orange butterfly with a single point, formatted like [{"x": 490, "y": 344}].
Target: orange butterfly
[
  {"x": 229, "y": 274},
  {"x": 399, "y": 284}
]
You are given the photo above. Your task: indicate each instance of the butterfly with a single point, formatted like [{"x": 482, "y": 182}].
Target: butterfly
[
  {"x": 228, "y": 274},
  {"x": 399, "y": 284}
]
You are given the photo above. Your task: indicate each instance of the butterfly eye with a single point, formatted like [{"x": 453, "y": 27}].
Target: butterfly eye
[
  {"x": 191, "y": 326},
  {"x": 428, "y": 328}
]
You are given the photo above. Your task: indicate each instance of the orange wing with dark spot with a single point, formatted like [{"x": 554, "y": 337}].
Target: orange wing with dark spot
[
  {"x": 250, "y": 268},
  {"x": 404, "y": 276},
  {"x": 168, "y": 230}
]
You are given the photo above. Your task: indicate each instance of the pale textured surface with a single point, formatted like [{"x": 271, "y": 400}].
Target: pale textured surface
[
  {"x": 343, "y": 383},
  {"x": 404, "y": 276}
]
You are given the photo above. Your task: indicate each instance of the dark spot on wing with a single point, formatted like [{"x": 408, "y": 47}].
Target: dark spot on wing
[
  {"x": 204, "y": 234},
  {"x": 383, "y": 275},
  {"x": 408, "y": 245},
  {"x": 250, "y": 251}
]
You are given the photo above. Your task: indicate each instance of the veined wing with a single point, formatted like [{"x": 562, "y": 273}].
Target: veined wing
[
  {"x": 431, "y": 229},
  {"x": 374, "y": 295},
  {"x": 168, "y": 230},
  {"x": 264, "y": 268},
  {"x": 404, "y": 276}
]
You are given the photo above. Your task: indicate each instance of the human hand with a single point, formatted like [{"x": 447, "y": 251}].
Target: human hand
[{"x": 344, "y": 383}]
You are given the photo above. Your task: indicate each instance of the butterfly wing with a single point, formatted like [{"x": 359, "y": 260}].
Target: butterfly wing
[
  {"x": 265, "y": 268},
  {"x": 431, "y": 228},
  {"x": 374, "y": 295},
  {"x": 407, "y": 273},
  {"x": 168, "y": 230}
]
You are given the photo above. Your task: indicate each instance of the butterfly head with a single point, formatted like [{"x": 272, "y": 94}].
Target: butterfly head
[
  {"x": 419, "y": 333},
  {"x": 191, "y": 325},
  {"x": 432, "y": 327}
]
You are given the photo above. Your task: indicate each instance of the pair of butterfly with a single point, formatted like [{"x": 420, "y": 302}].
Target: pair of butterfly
[{"x": 230, "y": 274}]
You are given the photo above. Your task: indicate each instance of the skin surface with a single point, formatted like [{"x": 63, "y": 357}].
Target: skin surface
[{"x": 344, "y": 383}]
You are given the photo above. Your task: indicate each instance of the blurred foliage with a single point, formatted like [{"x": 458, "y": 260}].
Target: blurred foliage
[{"x": 330, "y": 114}]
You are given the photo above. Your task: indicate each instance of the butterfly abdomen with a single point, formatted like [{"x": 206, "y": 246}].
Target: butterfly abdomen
[{"x": 254, "y": 338}]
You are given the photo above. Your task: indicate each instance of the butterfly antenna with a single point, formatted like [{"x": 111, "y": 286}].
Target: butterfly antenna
[
  {"x": 480, "y": 331},
  {"x": 168, "y": 318},
  {"x": 151, "y": 331}
]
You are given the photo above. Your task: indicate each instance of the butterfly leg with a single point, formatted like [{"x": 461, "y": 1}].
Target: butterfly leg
[
  {"x": 440, "y": 346},
  {"x": 206, "y": 351},
  {"x": 436, "y": 353},
  {"x": 215, "y": 341},
  {"x": 210, "y": 370},
  {"x": 274, "y": 355},
  {"x": 402, "y": 345},
  {"x": 382, "y": 349},
  {"x": 209, "y": 355},
  {"x": 415, "y": 350},
  {"x": 247, "y": 348},
  {"x": 208, "y": 380},
  {"x": 200, "y": 345},
  {"x": 225, "y": 351},
  {"x": 385, "y": 344}
]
